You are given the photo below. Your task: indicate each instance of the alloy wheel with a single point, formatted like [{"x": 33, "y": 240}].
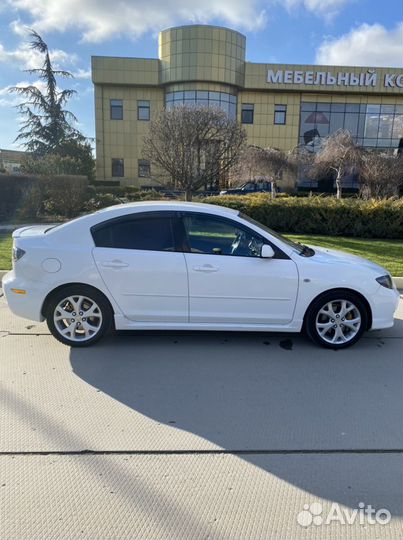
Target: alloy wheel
[
  {"x": 77, "y": 318},
  {"x": 338, "y": 321}
]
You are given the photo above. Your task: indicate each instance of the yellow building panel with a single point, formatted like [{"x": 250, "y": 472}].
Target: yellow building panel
[{"x": 210, "y": 58}]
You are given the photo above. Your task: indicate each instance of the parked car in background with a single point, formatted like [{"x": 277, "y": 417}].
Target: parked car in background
[
  {"x": 263, "y": 186},
  {"x": 176, "y": 265}
]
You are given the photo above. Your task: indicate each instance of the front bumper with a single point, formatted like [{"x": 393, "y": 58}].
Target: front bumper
[
  {"x": 384, "y": 304},
  {"x": 28, "y": 305}
]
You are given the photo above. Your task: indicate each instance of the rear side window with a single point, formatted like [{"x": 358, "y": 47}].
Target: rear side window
[{"x": 145, "y": 233}]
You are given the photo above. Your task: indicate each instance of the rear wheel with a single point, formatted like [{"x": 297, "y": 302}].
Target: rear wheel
[
  {"x": 336, "y": 320},
  {"x": 78, "y": 315}
]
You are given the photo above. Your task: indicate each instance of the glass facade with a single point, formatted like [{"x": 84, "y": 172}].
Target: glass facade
[
  {"x": 222, "y": 100},
  {"x": 373, "y": 126}
]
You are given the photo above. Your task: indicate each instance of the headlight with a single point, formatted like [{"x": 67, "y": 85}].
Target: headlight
[{"x": 385, "y": 281}]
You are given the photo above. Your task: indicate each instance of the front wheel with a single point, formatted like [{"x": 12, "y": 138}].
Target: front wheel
[
  {"x": 336, "y": 320},
  {"x": 78, "y": 316}
]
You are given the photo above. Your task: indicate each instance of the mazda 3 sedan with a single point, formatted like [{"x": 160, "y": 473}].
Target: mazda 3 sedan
[{"x": 176, "y": 265}]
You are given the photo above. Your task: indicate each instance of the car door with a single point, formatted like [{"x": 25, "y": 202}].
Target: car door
[
  {"x": 228, "y": 280},
  {"x": 136, "y": 258}
]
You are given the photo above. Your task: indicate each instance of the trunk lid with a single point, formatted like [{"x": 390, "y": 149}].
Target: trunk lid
[{"x": 31, "y": 230}]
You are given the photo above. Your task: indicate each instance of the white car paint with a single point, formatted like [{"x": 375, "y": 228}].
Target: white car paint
[
  {"x": 151, "y": 286},
  {"x": 241, "y": 290},
  {"x": 175, "y": 290}
]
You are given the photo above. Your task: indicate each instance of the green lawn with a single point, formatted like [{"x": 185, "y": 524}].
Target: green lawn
[
  {"x": 5, "y": 251},
  {"x": 387, "y": 253}
]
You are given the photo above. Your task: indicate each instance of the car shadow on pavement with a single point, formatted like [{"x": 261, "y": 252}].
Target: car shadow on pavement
[{"x": 334, "y": 416}]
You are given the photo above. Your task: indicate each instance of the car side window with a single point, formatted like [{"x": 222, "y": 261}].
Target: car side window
[
  {"x": 141, "y": 233},
  {"x": 215, "y": 236}
]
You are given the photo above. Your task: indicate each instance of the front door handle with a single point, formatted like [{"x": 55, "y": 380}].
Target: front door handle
[
  {"x": 114, "y": 264},
  {"x": 206, "y": 268}
]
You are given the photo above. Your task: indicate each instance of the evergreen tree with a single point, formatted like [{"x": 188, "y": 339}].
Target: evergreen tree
[{"x": 47, "y": 124}]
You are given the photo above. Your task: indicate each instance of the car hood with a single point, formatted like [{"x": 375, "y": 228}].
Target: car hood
[{"x": 331, "y": 256}]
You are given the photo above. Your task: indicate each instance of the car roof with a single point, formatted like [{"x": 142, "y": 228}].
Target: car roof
[
  {"x": 167, "y": 205},
  {"x": 118, "y": 210}
]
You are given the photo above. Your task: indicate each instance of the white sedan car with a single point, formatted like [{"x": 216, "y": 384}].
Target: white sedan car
[{"x": 190, "y": 266}]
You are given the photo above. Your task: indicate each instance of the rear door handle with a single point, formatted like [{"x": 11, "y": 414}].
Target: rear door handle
[
  {"x": 206, "y": 268},
  {"x": 114, "y": 264}
]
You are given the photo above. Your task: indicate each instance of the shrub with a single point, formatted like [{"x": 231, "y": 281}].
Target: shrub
[
  {"x": 25, "y": 197},
  {"x": 149, "y": 195},
  {"x": 322, "y": 215},
  {"x": 106, "y": 183},
  {"x": 100, "y": 200},
  {"x": 118, "y": 191},
  {"x": 19, "y": 196},
  {"x": 66, "y": 194}
]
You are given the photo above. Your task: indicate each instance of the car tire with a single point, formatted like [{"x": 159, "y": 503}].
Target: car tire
[
  {"x": 78, "y": 315},
  {"x": 336, "y": 320}
]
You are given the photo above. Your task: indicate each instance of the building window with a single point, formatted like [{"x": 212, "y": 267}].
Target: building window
[
  {"x": 116, "y": 106},
  {"x": 371, "y": 125},
  {"x": 203, "y": 98},
  {"x": 280, "y": 114},
  {"x": 143, "y": 110},
  {"x": 247, "y": 113},
  {"x": 144, "y": 168},
  {"x": 118, "y": 167}
]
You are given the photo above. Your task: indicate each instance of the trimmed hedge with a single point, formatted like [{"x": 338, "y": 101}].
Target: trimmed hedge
[
  {"x": 25, "y": 197},
  {"x": 321, "y": 215},
  {"x": 119, "y": 191}
]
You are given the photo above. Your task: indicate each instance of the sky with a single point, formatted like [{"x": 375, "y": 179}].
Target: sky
[{"x": 332, "y": 32}]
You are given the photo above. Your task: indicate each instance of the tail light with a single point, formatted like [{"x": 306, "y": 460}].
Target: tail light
[{"x": 17, "y": 253}]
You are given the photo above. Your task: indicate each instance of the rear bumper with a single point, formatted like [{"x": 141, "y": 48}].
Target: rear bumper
[
  {"x": 28, "y": 305},
  {"x": 384, "y": 304}
]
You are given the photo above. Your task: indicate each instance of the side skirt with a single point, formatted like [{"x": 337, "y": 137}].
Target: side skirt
[{"x": 122, "y": 323}]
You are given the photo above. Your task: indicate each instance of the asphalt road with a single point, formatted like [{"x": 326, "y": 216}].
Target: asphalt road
[{"x": 198, "y": 435}]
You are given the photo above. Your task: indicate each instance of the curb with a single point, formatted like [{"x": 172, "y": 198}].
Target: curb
[{"x": 397, "y": 280}]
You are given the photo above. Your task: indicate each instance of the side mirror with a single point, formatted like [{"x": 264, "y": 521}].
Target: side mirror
[{"x": 267, "y": 252}]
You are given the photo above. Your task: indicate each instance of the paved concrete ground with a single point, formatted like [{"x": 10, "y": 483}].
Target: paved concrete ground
[{"x": 197, "y": 435}]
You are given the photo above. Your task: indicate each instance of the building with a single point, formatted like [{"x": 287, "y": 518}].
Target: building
[
  {"x": 10, "y": 160},
  {"x": 279, "y": 105}
]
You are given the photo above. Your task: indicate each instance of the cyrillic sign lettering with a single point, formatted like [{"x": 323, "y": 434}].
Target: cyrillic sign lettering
[
  {"x": 370, "y": 79},
  {"x": 390, "y": 80},
  {"x": 320, "y": 78},
  {"x": 343, "y": 79},
  {"x": 275, "y": 78},
  {"x": 288, "y": 77},
  {"x": 328, "y": 78}
]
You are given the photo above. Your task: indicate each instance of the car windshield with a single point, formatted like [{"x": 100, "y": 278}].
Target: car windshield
[{"x": 294, "y": 245}]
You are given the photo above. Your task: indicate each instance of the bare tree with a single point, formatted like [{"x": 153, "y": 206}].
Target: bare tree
[
  {"x": 194, "y": 146},
  {"x": 339, "y": 154},
  {"x": 268, "y": 162},
  {"x": 381, "y": 175},
  {"x": 300, "y": 159},
  {"x": 248, "y": 167}
]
